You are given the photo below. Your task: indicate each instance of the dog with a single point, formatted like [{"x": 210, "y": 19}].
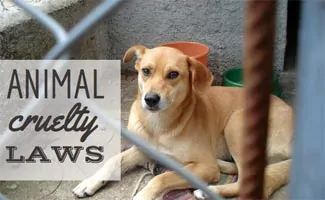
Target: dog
[{"x": 199, "y": 125}]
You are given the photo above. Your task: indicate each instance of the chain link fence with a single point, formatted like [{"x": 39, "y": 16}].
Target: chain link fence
[{"x": 65, "y": 39}]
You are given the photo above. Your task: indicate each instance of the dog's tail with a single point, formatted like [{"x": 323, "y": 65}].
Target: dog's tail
[{"x": 227, "y": 167}]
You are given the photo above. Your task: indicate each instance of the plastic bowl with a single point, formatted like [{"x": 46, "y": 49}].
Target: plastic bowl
[
  {"x": 234, "y": 78},
  {"x": 193, "y": 49}
]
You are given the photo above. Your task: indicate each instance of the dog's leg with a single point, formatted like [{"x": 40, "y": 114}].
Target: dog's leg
[
  {"x": 227, "y": 167},
  {"x": 276, "y": 176},
  {"x": 165, "y": 182},
  {"x": 227, "y": 190},
  {"x": 127, "y": 160}
]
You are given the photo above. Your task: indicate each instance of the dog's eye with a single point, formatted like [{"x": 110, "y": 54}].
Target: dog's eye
[
  {"x": 173, "y": 75},
  {"x": 146, "y": 71}
]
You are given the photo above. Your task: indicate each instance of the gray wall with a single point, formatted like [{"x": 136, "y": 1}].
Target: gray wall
[{"x": 217, "y": 23}]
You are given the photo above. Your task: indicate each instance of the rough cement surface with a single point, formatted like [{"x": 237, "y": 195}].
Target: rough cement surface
[
  {"x": 217, "y": 23},
  {"x": 54, "y": 190},
  {"x": 30, "y": 40},
  {"x": 11, "y": 15}
]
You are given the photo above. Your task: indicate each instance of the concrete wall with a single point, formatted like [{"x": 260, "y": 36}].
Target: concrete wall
[
  {"x": 217, "y": 23},
  {"x": 29, "y": 40}
]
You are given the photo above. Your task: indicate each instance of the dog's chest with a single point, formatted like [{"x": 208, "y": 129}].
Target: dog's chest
[{"x": 177, "y": 150}]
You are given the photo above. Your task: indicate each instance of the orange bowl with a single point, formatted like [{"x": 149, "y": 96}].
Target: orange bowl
[{"x": 194, "y": 49}]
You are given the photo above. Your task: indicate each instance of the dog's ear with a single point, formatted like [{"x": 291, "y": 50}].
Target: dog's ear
[
  {"x": 200, "y": 74},
  {"x": 137, "y": 50}
]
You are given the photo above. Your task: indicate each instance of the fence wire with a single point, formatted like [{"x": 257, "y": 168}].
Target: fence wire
[{"x": 64, "y": 41}]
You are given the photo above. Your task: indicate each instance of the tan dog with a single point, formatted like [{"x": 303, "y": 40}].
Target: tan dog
[{"x": 182, "y": 115}]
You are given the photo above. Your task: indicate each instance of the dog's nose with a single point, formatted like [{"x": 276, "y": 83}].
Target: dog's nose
[{"x": 152, "y": 99}]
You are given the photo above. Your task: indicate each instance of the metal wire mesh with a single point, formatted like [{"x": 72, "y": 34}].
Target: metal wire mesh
[
  {"x": 64, "y": 40},
  {"x": 2, "y": 197}
]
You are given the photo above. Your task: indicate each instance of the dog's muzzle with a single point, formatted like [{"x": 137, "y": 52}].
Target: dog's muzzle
[{"x": 152, "y": 101}]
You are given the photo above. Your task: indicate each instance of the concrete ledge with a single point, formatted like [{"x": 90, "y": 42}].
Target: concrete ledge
[
  {"x": 25, "y": 38},
  {"x": 12, "y": 15}
]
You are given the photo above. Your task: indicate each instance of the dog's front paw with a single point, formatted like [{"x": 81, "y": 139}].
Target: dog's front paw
[
  {"x": 140, "y": 197},
  {"x": 200, "y": 195},
  {"x": 88, "y": 187},
  {"x": 143, "y": 195},
  {"x": 136, "y": 197}
]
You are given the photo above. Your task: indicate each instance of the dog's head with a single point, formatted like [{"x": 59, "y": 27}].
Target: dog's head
[{"x": 166, "y": 76}]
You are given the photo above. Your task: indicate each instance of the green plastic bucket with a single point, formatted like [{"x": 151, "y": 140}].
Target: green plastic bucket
[{"x": 234, "y": 78}]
